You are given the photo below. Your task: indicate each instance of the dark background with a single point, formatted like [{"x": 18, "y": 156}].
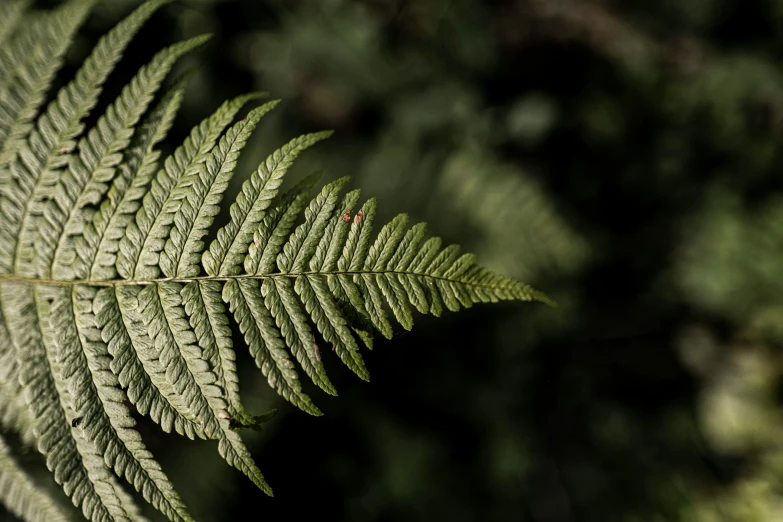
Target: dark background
[{"x": 624, "y": 157}]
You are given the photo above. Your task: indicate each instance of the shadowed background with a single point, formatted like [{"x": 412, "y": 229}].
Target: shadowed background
[{"x": 624, "y": 157}]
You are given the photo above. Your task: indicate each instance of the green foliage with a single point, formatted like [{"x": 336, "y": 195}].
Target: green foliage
[
  {"x": 728, "y": 248},
  {"x": 109, "y": 293},
  {"x": 20, "y": 494}
]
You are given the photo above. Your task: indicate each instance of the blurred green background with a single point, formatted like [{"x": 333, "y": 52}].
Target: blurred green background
[{"x": 623, "y": 156}]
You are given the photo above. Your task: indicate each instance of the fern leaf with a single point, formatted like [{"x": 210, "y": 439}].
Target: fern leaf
[
  {"x": 325, "y": 259},
  {"x": 20, "y": 494},
  {"x": 328, "y": 250},
  {"x": 145, "y": 235},
  {"x": 76, "y": 342},
  {"x": 358, "y": 241},
  {"x": 75, "y": 464},
  {"x": 332, "y": 325},
  {"x": 198, "y": 196},
  {"x": 236, "y": 454},
  {"x": 267, "y": 348},
  {"x": 96, "y": 399},
  {"x": 303, "y": 243},
  {"x": 353, "y": 258},
  {"x": 378, "y": 257},
  {"x": 136, "y": 364},
  {"x": 162, "y": 309},
  {"x": 227, "y": 251},
  {"x": 97, "y": 248},
  {"x": 273, "y": 231},
  {"x": 399, "y": 263},
  {"x": 13, "y": 409},
  {"x": 408, "y": 248},
  {"x": 32, "y": 176},
  {"x": 111, "y": 502},
  {"x": 351, "y": 306},
  {"x": 207, "y": 317},
  {"x": 85, "y": 181},
  {"x": 43, "y": 45},
  {"x": 10, "y": 13},
  {"x": 281, "y": 301}
]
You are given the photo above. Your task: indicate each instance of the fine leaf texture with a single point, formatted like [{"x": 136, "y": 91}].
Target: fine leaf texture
[
  {"x": 21, "y": 495},
  {"x": 38, "y": 51},
  {"x": 10, "y": 13},
  {"x": 118, "y": 287}
]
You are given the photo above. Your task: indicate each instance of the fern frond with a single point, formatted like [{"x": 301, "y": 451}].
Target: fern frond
[
  {"x": 263, "y": 339},
  {"x": 268, "y": 240},
  {"x": 40, "y": 51},
  {"x": 273, "y": 231},
  {"x": 97, "y": 248},
  {"x": 136, "y": 364},
  {"x": 153, "y": 220},
  {"x": 20, "y": 494},
  {"x": 138, "y": 371},
  {"x": 198, "y": 196},
  {"x": 98, "y": 401},
  {"x": 280, "y": 300},
  {"x": 163, "y": 312},
  {"x": 102, "y": 294},
  {"x": 147, "y": 233},
  {"x": 72, "y": 459},
  {"x": 227, "y": 252},
  {"x": 28, "y": 182},
  {"x": 207, "y": 318},
  {"x": 85, "y": 181},
  {"x": 10, "y": 13},
  {"x": 82, "y": 186},
  {"x": 351, "y": 258},
  {"x": 13, "y": 409}
]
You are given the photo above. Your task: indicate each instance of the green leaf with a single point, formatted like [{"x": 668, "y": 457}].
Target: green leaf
[
  {"x": 75, "y": 464},
  {"x": 85, "y": 182},
  {"x": 276, "y": 226},
  {"x": 324, "y": 312},
  {"x": 203, "y": 304},
  {"x": 97, "y": 248},
  {"x": 20, "y": 493},
  {"x": 40, "y": 51},
  {"x": 227, "y": 251},
  {"x": 188, "y": 372},
  {"x": 280, "y": 299},
  {"x": 263, "y": 338},
  {"x": 102, "y": 301},
  {"x": 199, "y": 195},
  {"x": 145, "y": 235},
  {"x": 31, "y": 177},
  {"x": 97, "y": 400},
  {"x": 136, "y": 363},
  {"x": 302, "y": 244}
]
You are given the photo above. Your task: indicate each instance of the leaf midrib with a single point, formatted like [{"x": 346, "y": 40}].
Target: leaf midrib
[{"x": 11, "y": 278}]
